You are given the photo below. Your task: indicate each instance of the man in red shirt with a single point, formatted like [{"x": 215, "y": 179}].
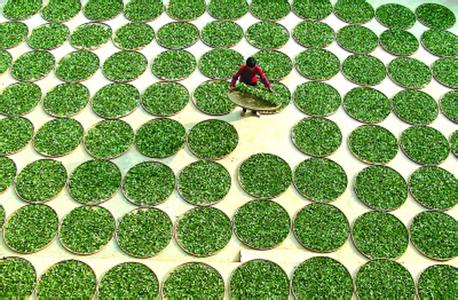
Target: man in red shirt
[{"x": 248, "y": 74}]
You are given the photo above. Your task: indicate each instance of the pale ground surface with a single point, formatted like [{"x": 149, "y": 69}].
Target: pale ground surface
[{"x": 267, "y": 134}]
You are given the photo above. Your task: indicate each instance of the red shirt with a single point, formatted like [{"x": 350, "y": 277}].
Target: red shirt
[{"x": 249, "y": 76}]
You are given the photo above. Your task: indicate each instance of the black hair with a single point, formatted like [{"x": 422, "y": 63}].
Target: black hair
[{"x": 251, "y": 62}]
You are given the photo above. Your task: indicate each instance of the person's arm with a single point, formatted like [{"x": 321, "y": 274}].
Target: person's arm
[
  {"x": 236, "y": 77},
  {"x": 264, "y": 79}
]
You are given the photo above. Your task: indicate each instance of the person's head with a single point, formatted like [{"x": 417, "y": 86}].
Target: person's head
[{"x": 251, "y": 62}]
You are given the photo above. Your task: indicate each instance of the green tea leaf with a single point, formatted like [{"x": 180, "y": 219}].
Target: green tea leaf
[
  {"x": 129, "y": 280},
  {"x": 194, "y": 280},
  {"x": 144, "y": 232},
  {"x": 41, "y": 180},
  {"x": 66, "y": 279},
  {"x": 203, "y": 231},
  {"x": 94, "y": 182},
  {"x": 109, "y": 139},
  {"x": 320, "y": 179},
  {"x": 30, "y": 228}
]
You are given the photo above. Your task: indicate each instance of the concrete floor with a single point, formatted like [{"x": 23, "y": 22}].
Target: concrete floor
[{"x": 268, "y": 134}]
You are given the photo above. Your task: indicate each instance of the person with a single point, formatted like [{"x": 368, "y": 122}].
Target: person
[{"x": 248, "y": 74}]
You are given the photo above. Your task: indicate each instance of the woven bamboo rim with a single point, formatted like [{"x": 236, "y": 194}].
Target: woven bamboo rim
[
  {"x": 244, "y": 242},
  {"x": 75, "y": 81},
  {"x": 66, "y": 115},
  {"x": 134, "y": 202},
  {"x": 24, "y": 18},
  {"x": 52, "y": 70},
  {"x": 62, "y": 154},
  {"x": 93, "y": 127},
  {"x": 390, "y": 27},
  {"x": 401, "y": 145},
  {"x": 363, "y": 121},
  {"x": 196, "y": 39},
  {"x": 296, "y": 66},
  {"x": 23, "y": 39},
  {"x": 48, "y": 199},
  {"x": 180, "y": 244},
  {"x": 421, "y": 251},
  {"x": 259, "y": 260},
  {"x": 47, "y": 25},
  {"x": 201, "y": 204},
  {"x": 293, "y": 137},
  {"x": 208, "y": 75},
  {"x": 403, "y": 85},
  {"x": 308, "y": 197},
  {"x": 194, "y": 99},
  {"x": 273, "y": 20},
  {"x": 185, "y": 19},
  {"x": 297, "y": 267},
  {"x": 260, "y": 196},
  {"x": 142, "y": 95},
  {"x": 349, "y": 146},
  {"x": 35, "y": 250},
  {"x": 25, "y": 112},
  {"x": 220, "y": 21},
  {"x": 170, "y": 272},
  {"x": 66, "y": 247},
  {"x": 93, "y": 202},
  {"x": 37, "y": 296},
  {"x": 294, "y": 229},
  {"x": 30, "y": 138},
  {"x": 421, "y": 20},
  {"x": 67, "y": 20},
  {"x": 87, "y": 24},
  {"x": 347, "y": 77},
  {"x": 370, "y": 256},
  {"x": 268, "y": 48},
  {"x": 410, "y": 191},
  {"x": 121, "y": 11},
  {"x": 422, "y": 42},
  {"x": 2, "y": 218},
  {"x": 395, "y": 111},
  {"x": 380, "y": 43},
  {"x": 31, "y": 266},
  {"x": 345, "y": 108},
  {"x": 122, "y": 264},
  {"x": 228, "y": 19},
  {"x": 308, "y": 19},
  {"x": 113, "y": 37},
  {"x": 162, "y": 78},
  {"x": 417, "y": 286},
  {"x": 280, "y": 109},
  {"x": 10, "y": 61},
  {"x": 134, "y": 211},
  {"x": 353, "y": 23},
  {"x": 116, "y": 117},
  {"x": 124, "y": 80},
  {"x": 281, "y": 53},
  {"x": 452, "y": 86},
  {"x": 237, "y": 94},
  {"x": 355, "y": 189},
  {"x": 213, "y": 158},
  {"x": 300, "y": 44},
  {"x": 12, "y": 179},
  {"x": 170, "y": 154},
  {"x": 379, "y": 259},
  {"x": 351, "y": 51},
  {"x": 144, "y": 21},
  {"x": 450, "y": 141},
  {"x": 441, "y": 109}
]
